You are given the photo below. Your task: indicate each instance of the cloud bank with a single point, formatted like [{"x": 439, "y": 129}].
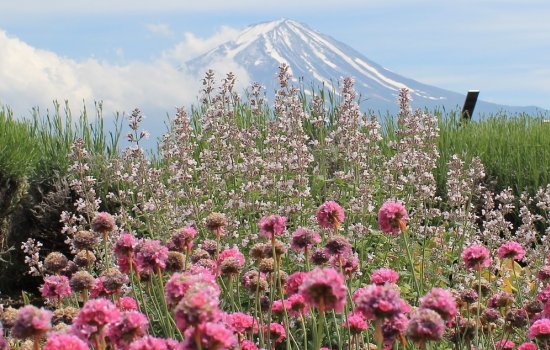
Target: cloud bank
[{"x": 32, "y": 77}]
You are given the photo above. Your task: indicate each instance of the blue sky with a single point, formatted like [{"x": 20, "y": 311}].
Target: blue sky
[{"x": 126, "y": 52}]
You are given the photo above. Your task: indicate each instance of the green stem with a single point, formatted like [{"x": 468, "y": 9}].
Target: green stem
[{"x": 411, "y": 265}]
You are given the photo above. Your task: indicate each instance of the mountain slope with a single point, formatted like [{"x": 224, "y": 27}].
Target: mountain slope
[{"x": 320, "y": 59}]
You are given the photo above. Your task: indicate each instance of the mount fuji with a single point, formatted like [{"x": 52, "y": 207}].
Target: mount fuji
[{"x": 319, "y": 59}]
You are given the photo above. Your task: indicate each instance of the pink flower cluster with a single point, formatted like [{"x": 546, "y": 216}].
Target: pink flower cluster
[
  {"x": 272, "y": 225},
  {"x": 330, "y": 215},
  {"x": 324, "y": 289},
  {"x": 476, "y": 257},
  {"x": 392, "y": 217}
]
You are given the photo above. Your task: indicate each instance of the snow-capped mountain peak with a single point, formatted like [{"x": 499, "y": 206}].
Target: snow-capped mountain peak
[{"x": 321, "y": 60}]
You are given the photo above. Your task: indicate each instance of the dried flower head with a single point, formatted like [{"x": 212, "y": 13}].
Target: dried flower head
[
  {"x": 84, "y": 258},
  {"x": 319, "y": 257},
  {"x": 103, "y": 223},
  {"x": 81, "y": 281},
  {"x": 210, "y": 246},
  {"x": 199, "y": 254},
  {"x": 425, "y": 325},
  {"x": 304, "y": 238},
  {"x": 55, "y": 262},
  {"x": 113, "y": 280},
  {"x": 8, "y": 316},
  {"x": 215, "y": 222},
  {"x": 182, "y": 239},
  {"x": 175, "y": 262},
  {"x": 260, "y": 251},
  {"x": 267, "y": 265},
  {"x": 85, "y": 240}
]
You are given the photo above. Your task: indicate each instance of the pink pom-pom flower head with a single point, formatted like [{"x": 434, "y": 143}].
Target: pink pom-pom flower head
[
  {"x": 330, "y": 215},
  {"x": 272, "y": 225},
  {"x": 511, "y": 250},
  {"x": 476, "y": 257},
  {"x": 392, "y": 217},
  {"x": 383, "y": 276},
  {"x": 324, "y": 289}
]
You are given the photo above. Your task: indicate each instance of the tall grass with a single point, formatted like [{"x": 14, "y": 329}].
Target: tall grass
[
  {"x": 19, "y": 151},
  {"x": 515, "y": 150}
]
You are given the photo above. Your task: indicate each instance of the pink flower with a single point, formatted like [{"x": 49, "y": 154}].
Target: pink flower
[
  {"x": 233, "y": 253},
  {"x": 500, "y": 299},
  {"x": 304, "y": 238},
  {"x": 544, "y": 295},
  {"x": 540, "y": 329},
  {"x": 528, "y": 346},
  {"x": 131, "y": 326},
  {"x": 511, "y": 250},
  {"x": 103, "y": 222},
  {"x": 297, "y": 305},
  {"x": 476, "y": 257},
  {"x": 330, "y": 215},
  {"x": 58, "y": 341},
  {"x": 338, "y": 245},
  {"x": 383, "y": 276},
  {"x": 179, "y": 283},
  {"x": 392, "y": 327},
  {"x": 277, "y": 332},
  {"x": 424, "y": 325},
  {"x": 356, "y": 323},
  {"x": 124, "y": 246},
  {"x": 272, "y": 225},
  {"x": 151, "y": 256},
  {"x": 127, "y": 304},
  {"x": 55, "y": 287},
  {"x": 278, "y": 307},
  {"x": 31, "y": 321},
  {"x": 294, "y": 282},
  {"x": 212, "y": 336},
  {"x": 93, "y": 317},
  {"x": 349, "y": 263},
  {"x": 324, "y": 289},
  {"x": 200, "y": 304},
  {"x": 378, "y": 302},
  {"x": 441, "y": 301},
  {"x": 149, "y": 343},
  {"x": 248, "y": 345},
  {"x": 182, "y": 239},
  {"x": 241, "y": 323},
  {"x": 504, "y": 344},
  {"x": 392, "y": 217}
]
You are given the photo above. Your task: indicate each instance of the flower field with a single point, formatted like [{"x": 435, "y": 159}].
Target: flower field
[{"x": 297, "y": 225}]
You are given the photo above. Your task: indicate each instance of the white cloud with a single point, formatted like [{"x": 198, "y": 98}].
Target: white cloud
[
  {"x": 192, "y": 45},
  {"x": 160, "y": 28},
  {"x": 32, "y": 77}
]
